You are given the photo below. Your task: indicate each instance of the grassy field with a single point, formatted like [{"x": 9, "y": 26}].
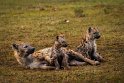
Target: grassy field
[{"x": 38, "y": 22}]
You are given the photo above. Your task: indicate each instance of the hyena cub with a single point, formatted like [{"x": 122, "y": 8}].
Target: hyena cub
[
  {"x": 88, "y": 44},
  {"x": 23, "y": 54},
  {"x": 59, "y": 54},
  {"x": 56, "y": 55}
]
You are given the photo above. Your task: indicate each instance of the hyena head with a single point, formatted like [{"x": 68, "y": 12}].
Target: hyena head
[
  {"x": 93, "y": 33},
  {"x": 61, "y": 40},
  {"x": 22, "y": 50}
]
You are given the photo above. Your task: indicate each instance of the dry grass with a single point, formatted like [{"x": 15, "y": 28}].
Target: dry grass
[{"x": 39, "y": 21}]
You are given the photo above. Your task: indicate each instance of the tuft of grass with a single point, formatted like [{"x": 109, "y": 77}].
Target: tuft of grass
[{"x": 79, "y": 12}]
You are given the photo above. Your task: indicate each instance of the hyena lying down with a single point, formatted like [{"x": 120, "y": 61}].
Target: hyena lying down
[
  {"x": 88, "y": 45},
  {"x": 24, "y": 55}
]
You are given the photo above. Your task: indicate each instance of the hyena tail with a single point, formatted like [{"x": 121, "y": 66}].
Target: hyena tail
[{"x": 44, "y": 67}]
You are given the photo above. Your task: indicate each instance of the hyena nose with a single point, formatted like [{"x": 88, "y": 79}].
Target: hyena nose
[
  {"x": 99, "y": 36},
  {"x": 33, "y": 49},
  {"x": 66, "y": 45}
]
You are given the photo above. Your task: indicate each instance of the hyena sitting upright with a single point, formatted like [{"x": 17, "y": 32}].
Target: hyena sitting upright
[
  {"x": 88, "y": 45},
  {"x": 56, "y": 54},
  {"x": 24, "y": 55}
]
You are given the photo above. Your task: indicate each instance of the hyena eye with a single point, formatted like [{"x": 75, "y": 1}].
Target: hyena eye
[
  {"x": 25, "y": 46},
  {"x": 63, "y": 41},
  {"x": 94, "y": 33}
]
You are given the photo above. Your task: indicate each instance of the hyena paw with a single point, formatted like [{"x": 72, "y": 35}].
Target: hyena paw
[
  {"x": 52, "y": 60},
  {"x": 97, "y": 63},
  {"x": 67, "y": 68},
  {"x": 57, "y": 68}
]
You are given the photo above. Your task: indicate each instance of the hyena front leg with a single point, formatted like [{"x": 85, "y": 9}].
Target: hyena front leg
[
  {"x": 98, "y": 57},
  {"x": 65, "y": 61},
  {"x": 36, "y": 65},
  {"x": 54, "y": 59},
  {"x": 77, "y": 63},
  {"x": 45, "y": 67},
  {"x": 92, "y": 62},
  {"x": 57, "y": 65}
]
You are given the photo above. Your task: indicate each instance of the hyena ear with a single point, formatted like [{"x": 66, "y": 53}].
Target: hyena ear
[
  {"x": 83, "y": 41},
  {"x": 89, "y": 29},
  {"x": 14, "y": 46}
]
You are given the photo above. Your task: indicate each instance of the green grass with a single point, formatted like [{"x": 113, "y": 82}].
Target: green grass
[{"x": 38, "y": 22}]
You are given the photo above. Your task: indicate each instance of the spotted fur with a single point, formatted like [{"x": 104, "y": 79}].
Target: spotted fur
[{"x": 88, "y": 45}]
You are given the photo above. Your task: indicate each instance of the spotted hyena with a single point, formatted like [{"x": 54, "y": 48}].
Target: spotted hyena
[
  {"x": 24, "y": 56},
  {"x": 56, "y": 55},
  {"x": 88, "y": 45}
]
